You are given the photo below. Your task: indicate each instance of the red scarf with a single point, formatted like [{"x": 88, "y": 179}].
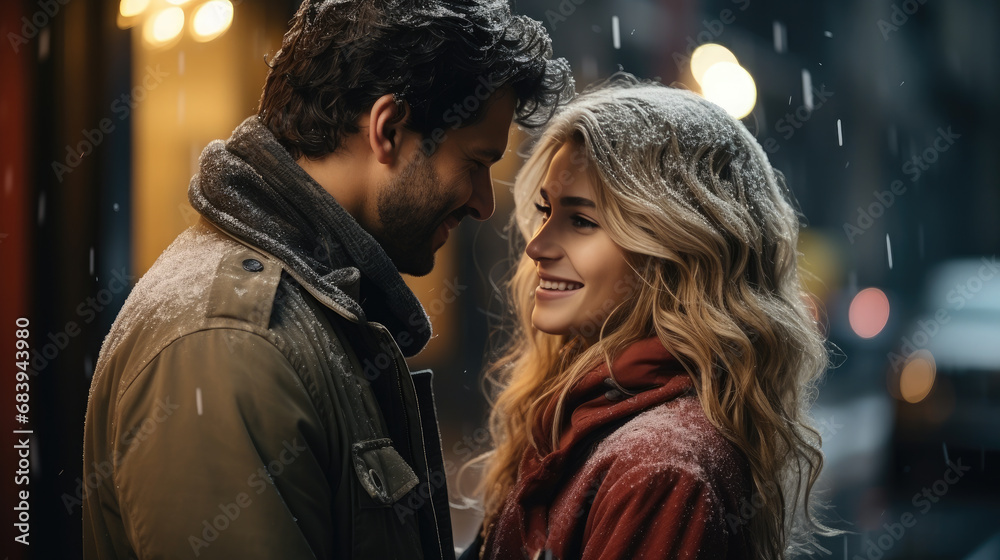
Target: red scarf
[{"x": 645, "y": 368}]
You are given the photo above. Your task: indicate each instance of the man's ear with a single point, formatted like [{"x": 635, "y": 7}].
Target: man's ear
[{"x": 385, "y": 128}]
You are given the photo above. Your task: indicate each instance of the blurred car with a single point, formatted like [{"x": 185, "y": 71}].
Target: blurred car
[{"x": 945, "y": 376}]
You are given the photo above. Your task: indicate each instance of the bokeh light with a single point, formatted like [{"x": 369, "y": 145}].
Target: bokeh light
[
  {"x": 869, "y": 312},
  {"x": 212, "y": 19},
  {"x": 821, "y": 266},
  {"x": 731, "y": 87},
  {"x": 163, "y": 27},
  {"x": 917, "y": 378},
  {"x": 132, "y": 8},
  {"x": 706, "y": 56}
]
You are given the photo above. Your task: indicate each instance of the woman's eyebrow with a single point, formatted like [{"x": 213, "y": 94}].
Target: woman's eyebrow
[
  {"x": 570, "y": 200},
  {"x": 577, "y": 201}
]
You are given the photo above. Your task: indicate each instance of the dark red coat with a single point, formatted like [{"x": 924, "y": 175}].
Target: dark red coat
[{"x": 640, "y": 477}]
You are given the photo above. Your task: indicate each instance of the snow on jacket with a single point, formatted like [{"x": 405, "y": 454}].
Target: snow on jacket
[
  {"x": 641, "y": 477},
  {"x": 245, "y": 404}
]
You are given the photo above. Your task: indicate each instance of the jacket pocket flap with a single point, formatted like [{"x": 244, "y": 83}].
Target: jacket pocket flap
[{"x": 382, "y": 471}]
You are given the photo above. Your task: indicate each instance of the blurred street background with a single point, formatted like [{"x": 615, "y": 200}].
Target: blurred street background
[{"x": 882, "y": 114}]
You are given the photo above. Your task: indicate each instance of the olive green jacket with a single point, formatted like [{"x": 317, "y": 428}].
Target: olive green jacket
[{"x": 246, "y": 405}]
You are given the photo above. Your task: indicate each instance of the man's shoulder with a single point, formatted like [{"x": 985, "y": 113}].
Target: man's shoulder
[{"x": 203, "y": 280}]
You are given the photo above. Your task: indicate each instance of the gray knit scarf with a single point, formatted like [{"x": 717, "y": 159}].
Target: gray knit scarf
[{"x": 252, "y": 188}]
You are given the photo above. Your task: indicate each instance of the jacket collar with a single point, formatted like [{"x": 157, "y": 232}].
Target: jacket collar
[{"x": 250, "y": 187}]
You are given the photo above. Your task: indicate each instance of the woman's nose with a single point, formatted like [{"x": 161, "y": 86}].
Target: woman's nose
[{"x": 543, "y": 246}]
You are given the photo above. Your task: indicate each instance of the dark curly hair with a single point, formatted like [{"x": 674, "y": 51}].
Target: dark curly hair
[{"x": 442, "y": 57}]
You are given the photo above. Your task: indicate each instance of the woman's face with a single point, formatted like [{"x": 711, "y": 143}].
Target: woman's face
[{"x": 582, "y": 273}]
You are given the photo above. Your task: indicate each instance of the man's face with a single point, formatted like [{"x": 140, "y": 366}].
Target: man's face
[{"x": 417, "y": 208}]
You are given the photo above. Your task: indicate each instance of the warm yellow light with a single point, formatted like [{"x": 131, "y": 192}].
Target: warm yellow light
[
  {"x": 820, "y": 266},
  {"x": 163, "y": 27},
  {"x": 212, "y": 19},
  {"x": 178, "y": 2},
  {"x": 132, "y": 8},
  {"x": 917, "y": 378},
  {"x": 731, "y": 87},
  {"x": 706, "y": 56}
]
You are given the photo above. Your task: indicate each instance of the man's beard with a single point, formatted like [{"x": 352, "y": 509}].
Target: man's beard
[{"x": 410, "y": 209}]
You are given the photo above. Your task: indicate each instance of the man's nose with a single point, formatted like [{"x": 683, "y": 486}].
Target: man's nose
[{"x": 482, "y": 203}]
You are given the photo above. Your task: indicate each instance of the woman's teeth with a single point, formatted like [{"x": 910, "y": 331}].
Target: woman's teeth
[{"x": 547, "y": 285}]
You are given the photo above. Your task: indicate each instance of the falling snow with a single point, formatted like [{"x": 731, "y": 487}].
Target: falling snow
[
  {"x": 780, "y": 37},
  {"x": 44, "y": 44},
  {"x": 41, "y": 209},
  {"x": 807, "y": 90}
]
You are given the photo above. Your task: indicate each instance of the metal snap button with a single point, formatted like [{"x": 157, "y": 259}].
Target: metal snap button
[{"x": 252, "y": 265}]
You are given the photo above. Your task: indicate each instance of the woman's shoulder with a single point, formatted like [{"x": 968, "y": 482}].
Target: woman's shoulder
[
  {"x": 666, "y": 480},
  {"x": 673, "y": 439}
]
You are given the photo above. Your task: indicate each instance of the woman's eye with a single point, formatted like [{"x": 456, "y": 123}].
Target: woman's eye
[
  {"x": 583, "y": 222},
  {"x": 544, "y": 210}
]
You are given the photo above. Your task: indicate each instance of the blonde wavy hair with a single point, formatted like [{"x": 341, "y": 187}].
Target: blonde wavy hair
[{"x": 708, "y": 227}]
